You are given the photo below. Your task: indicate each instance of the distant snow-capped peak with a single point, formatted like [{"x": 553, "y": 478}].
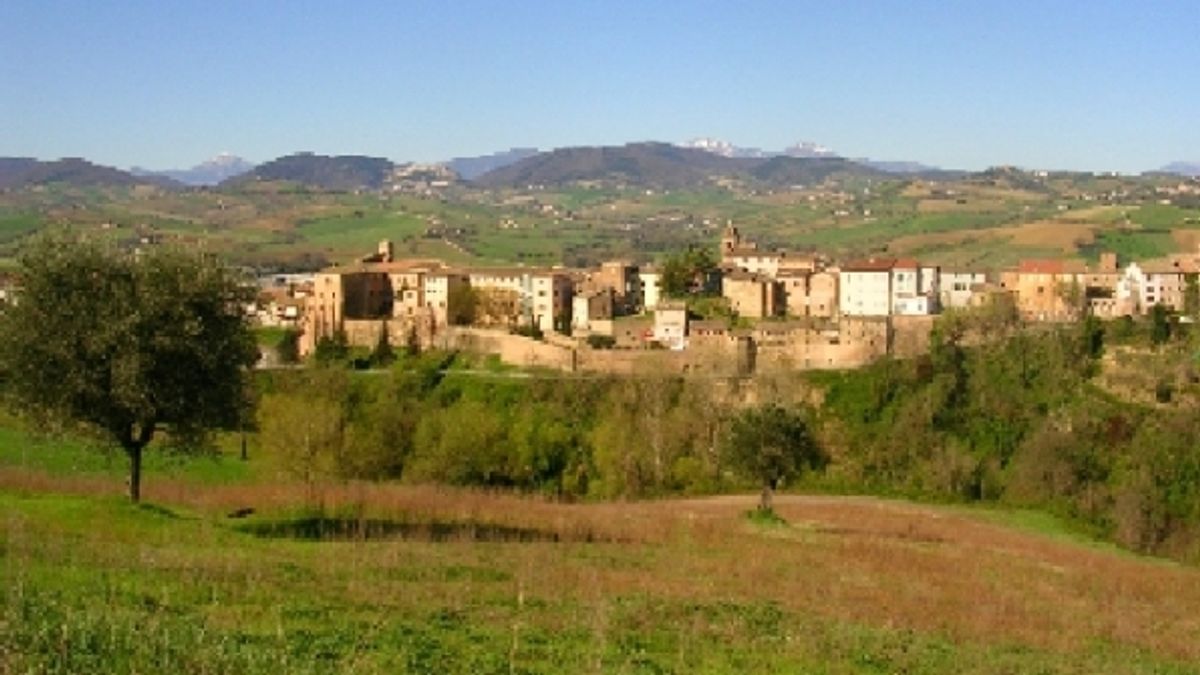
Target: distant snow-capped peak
[
  {"x": 713, "y": 145},
  {"x": 727, "y": 149},
  {"x": 808, "y": 149}
]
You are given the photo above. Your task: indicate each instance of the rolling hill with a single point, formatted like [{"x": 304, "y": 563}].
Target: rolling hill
[
  {"x": 665, "y": 166},
  {"x": 337, "y": 172},
  {"x": 20, "y": 172}
]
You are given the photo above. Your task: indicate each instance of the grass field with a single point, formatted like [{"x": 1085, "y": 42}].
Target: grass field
[{"x": 395, "y": 578}]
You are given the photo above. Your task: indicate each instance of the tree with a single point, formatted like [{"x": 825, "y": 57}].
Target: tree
[
  {"x": 332, "y": 349},
  {"x": 771, "y": 444},
  {"x": 685, "y": 273},
  {"x": 288, "y": 348},
  {"x": 128, "y": 345},
  {"x": 383, "y": 355},
  {"x": 462, "y": 305},
  {"x": 1160, "y": 327}
]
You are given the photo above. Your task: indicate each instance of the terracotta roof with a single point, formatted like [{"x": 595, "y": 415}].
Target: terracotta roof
[
  {"x": 1040, "y": 267},
  {"x": 870, "y": 265}
]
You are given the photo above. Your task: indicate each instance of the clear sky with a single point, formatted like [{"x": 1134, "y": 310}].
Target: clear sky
[{"x": 1038, "y": 83}]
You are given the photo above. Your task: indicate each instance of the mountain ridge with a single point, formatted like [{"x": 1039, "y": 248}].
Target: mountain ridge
[
  {"x": 665, "y": 165},
  {"x": 210, "y": 172},
  {"x": 19, "y": 172},
  {"x": 328, "y": 172}
]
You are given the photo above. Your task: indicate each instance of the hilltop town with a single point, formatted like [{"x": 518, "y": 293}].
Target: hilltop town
[{"x": 752, "y": 309}]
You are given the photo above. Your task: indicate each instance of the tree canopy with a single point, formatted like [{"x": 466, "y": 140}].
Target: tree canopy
[
  {"x": 685, "y": 273},
  {"x": 128, "y": 344},
  {"x": 771, "y": 444}
]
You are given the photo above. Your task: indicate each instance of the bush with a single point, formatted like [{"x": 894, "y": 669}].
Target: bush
[{"x": 601, "y": 341}]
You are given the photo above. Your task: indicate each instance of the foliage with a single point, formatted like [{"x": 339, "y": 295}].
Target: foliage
[
  {"x": 771, "y": 444},
  {"x": 287, "y": 350},
  {"x": 382, "y": 355},
  {"x": 1160, "y": 330},
  {"x": 463, "y": 305},
  {"x": 686, "y": 273},
  {"x": 596, "y": 341},
  {"x": 1018, "y": 421},
  {"x": 331, "y": 349},
  {"x": 128, "y": 344}
]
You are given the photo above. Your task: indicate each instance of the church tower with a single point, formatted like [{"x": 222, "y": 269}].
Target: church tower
[{"x": 731, "y": 240}]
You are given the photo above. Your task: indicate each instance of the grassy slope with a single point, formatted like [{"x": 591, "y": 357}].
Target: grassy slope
[{"x": 93, "y": 584}]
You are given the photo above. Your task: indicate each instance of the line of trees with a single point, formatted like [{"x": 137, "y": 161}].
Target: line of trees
[{"x": 570, "y": 438}]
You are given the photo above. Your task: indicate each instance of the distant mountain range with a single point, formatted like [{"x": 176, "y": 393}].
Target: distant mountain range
[
  {"x": 665, "y": 165},
  {"x": 696, "y": 163},
  {"x": 470, "y": 168},
  {"x": 19, "y": 172},
  {"x": 222, "y": 167},
  {"x": 1182, "y": 168},
  {"x": 805, "y": 150},
  {"x": 338, "y": 172}
]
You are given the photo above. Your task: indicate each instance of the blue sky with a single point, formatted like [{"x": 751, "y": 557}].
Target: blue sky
[{"x": 1039, "y": 83}]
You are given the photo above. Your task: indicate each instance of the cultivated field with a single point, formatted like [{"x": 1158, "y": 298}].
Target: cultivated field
[{"x": 981, "y": 220}]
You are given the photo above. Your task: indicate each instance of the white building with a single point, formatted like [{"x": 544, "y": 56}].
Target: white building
[
  {"x": 955, "y": 287},
  {"x": 887, "y": 286},
  {"x": 865, "y": 288},
  {"x": 651, "y": 282}
]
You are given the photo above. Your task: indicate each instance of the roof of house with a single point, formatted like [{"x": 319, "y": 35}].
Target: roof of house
[
  {"x": 870, "y": 265},
  {"x": 1040, "y": 267}
]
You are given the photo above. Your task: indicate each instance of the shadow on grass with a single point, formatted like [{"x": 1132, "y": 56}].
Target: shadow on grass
[
  {"x": 161, "y": 511},
  {"x": 332, "y": 528}
]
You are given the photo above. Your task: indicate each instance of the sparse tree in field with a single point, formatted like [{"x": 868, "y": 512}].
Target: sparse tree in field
[
  {"x": 305, "y": 432},
  {"x": 128, "y": 345},
  {"x": 771, "y": 444}
]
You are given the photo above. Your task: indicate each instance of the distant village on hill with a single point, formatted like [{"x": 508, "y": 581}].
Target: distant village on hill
[{"x": 751, "y": 310}]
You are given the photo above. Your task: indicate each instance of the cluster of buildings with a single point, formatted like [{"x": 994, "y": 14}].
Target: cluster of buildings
[{"x": 783, "y": 308}]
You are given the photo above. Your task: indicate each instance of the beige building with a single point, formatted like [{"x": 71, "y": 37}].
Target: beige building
[
  {"x": 1046, "y": 290},
  {"x": 809, "y": 293},
  {"x": 752, "y": 296},
  {"x": 591, "y": 307}
]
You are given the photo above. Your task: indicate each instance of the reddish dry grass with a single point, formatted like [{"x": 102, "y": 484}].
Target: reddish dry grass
[{"x": 867, "y": 560}]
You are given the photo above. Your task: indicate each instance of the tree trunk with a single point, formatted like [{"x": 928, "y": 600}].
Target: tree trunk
[
  {"x": 766, "y": 502},
  {"x": 134, "y": 444},
  {"x": 135, "y": 472}
]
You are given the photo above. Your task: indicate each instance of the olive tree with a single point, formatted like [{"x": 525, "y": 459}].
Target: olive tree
[
  {"x": 126, "y": 344},
  {"x": 771, "y": 443}
]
